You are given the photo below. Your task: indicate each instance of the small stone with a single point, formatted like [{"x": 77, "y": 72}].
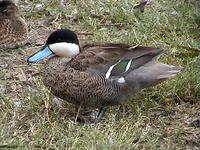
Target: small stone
[
  {"x": 59, "y": 102},
  {"x": 4, "y": 66},
  {"x": 103, "y": 29},
  {"x": 52, "y": 13},
  {"x": 17, "y": 104},
  {"x": 2, "y": 88},
  {"x": 173, "y": 13},
  {"x": 39, "y": 7}
]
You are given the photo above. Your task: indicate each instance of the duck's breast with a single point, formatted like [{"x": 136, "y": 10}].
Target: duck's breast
[{"x": 80, "y": 87}]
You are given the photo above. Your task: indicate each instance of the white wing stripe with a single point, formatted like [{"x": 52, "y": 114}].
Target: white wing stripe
[
  {"x": 128, "y": 65},
  {"x": 108, "y": 73}
]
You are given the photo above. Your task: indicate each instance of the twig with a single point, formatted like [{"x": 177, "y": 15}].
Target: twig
[
  {"x": 78, "y": 113},
  {"x": 10, "y": 146},
  {"x": 85, "y": 33},
  {"x": 189, "y": 48},
  {"x": 20, "y": 66},
  {"x": 36, "y": 73},
  {"x": 113, "y": 24}
]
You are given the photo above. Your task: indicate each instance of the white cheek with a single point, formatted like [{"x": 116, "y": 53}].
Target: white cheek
[{"x": 64, "y": 49}]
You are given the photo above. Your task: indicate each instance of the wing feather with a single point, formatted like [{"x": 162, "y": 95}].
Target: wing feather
[{"x": 101, "y": 57}]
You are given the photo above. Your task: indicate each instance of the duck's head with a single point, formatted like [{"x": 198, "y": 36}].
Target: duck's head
[
  {"x": 62, "y": 43},
  {"x": 8, "y": 8}
]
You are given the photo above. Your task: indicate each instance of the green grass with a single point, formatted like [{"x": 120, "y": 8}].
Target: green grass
[{"x": 156, "y": 118}]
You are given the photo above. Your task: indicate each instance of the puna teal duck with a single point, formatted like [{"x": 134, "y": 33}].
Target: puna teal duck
[
  {"x": 98, "y": 75},
  {"x": 13, "y": 28}
]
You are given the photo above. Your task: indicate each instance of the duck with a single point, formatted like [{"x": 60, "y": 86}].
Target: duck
[
  {"x": 98, "y": 75},
  {"x": 13, "y": 28}
]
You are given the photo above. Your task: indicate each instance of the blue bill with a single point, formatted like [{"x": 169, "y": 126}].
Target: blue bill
[{"x": 41, "y": 54}]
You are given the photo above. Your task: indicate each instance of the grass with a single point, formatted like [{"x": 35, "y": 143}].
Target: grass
[{"x": 160, "y": 117}]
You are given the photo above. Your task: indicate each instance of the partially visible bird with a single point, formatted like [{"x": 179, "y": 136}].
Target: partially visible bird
[
  {"x": 98, "y": 75},
  {"x": 13, "y": 29}
]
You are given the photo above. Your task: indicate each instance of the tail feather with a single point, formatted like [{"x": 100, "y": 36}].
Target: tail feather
[
  {"x": 169, "y": 74},
  {"x": 167, "y": 71},
  {"x": 150, "y": 74}
]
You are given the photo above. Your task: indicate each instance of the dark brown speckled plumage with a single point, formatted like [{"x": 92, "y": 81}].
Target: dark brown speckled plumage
[
  {"x": 81, "y": 80},
  {"x": 13, "y": 28}
]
